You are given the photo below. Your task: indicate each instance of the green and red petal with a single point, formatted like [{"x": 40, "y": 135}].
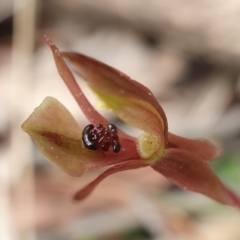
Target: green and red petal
[
  {"x": 58, "y": 136},
  {"x": 131, "y": 101}
]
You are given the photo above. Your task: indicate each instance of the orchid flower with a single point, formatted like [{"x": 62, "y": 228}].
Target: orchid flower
[{"x": 59, "y": 137}]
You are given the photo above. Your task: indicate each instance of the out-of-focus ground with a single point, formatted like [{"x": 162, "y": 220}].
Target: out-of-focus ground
[{"x": 186, "y": 52}]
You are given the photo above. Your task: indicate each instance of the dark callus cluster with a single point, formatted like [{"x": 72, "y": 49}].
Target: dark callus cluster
[{"x": 101, "y": 137}]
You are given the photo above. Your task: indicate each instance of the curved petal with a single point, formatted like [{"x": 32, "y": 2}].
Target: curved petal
[
  {"x": 128, "y": 165},
  {"x": 58, "y": 137},
  {"x": 201, "y": 147},
  {"x": 131, "y": 101},
  {"x": 189, "y": 172},
  {"x": 90, "y": 112}
]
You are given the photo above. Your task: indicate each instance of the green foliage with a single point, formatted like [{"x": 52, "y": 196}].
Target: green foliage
[{"x": 228, "y": 168}]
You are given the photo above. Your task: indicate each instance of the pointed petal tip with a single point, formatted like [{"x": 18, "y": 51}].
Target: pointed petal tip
[
  {"x": 190, "y": 172},
  {"x": 235, "y": 199},
  {"x": 23, "y": 126},
  {"x": 128, "y": 165},
  {"x": 53, "y": 47},
  {"x": 202, "y": 147},
  {"x": 68, "y": 78},
  {"x": 48, "y": 40}
]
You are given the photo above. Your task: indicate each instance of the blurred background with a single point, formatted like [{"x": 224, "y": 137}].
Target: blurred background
[{"x": 187, "y": 52}]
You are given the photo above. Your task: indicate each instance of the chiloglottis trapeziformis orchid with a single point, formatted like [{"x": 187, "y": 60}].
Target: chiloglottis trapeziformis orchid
[{"x": 60, "y": 138}]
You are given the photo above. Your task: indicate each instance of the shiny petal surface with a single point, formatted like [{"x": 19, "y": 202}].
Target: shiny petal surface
[
  {"x": 131, "y": 101},
  {"x": 201, "y": 147},
  {"x": 58, "y": 136},
  {"x": 189, "y": 172},
  {"x": 132, "y": 164}
]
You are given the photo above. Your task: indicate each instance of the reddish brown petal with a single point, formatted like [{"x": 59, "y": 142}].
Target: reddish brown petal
[
  {"x": 201, "y": 147},
  {"x": 93, "y": 116},
  {"x": 129, "y": 99},
  {"x": 189, "y": 172},
  {"x": 128, "y": 165}
]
